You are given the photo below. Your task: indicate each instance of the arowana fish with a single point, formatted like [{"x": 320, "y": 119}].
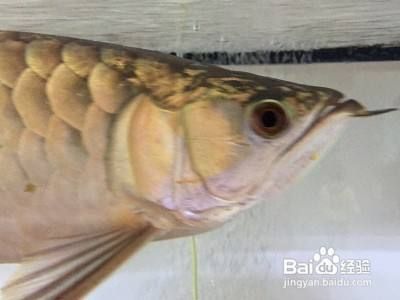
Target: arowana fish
[{"x": 105, "y": 148}]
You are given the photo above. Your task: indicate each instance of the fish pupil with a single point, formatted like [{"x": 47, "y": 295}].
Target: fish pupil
[{"x": 269, "y": 119}]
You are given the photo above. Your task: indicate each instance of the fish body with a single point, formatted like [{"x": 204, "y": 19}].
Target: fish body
[{"x": 104, "y": 148}]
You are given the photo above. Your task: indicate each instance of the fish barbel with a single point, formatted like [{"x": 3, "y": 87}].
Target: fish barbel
[{"x": 104, "y": 148}]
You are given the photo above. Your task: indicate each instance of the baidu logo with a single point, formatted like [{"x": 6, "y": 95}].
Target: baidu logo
[{"x": 326, "y": 262}]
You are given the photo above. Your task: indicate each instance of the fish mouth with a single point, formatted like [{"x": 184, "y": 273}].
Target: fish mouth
[
  {"x": 341, "y": 109},
  {"x": 331, "y": 115},
  {"x": 355, "y": 109}
]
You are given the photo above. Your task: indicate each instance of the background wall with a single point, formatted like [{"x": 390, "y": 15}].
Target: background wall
[
  {"x": 196, "y": 25},
  {"x": 350, "y": 201}
]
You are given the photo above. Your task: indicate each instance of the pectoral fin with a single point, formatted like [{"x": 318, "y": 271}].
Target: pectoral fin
[{"x": 68, "y": 268}]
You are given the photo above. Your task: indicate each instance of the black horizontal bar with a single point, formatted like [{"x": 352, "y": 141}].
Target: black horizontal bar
[{"x": 339, "y": 54}]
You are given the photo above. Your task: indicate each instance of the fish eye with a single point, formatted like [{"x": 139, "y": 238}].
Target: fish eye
[{"x": 269, "y": 119}]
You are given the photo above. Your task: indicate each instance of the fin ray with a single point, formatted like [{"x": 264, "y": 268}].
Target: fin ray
[{"x": 69, "y": 268}]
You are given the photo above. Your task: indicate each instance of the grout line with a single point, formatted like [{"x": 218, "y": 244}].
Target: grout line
[{"x": 379, "y": 52}]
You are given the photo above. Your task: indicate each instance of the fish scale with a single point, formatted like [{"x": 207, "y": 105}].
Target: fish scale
[
  {"x": 57, "y": 101},
  {"x": 51, "y": 86}
]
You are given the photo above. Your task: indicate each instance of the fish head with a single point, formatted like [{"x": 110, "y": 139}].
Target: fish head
[
  {"x": 217, "y": 140},
  {"x": 242, "y": 149}
]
